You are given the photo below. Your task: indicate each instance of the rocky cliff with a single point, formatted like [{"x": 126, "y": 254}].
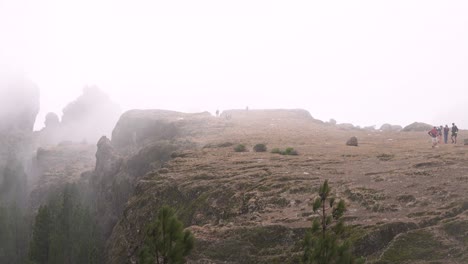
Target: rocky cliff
[{"x": 252, "y": 207}]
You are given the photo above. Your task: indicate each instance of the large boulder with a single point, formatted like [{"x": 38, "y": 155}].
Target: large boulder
[
  {"x": 352, "y": 142},
  {"x": 417, "y": 126}
]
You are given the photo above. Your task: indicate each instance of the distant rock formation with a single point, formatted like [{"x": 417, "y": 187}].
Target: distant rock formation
[
  {"x": 51, "y": 121},
  {"x": 88, "y": 118},
  {"x": 137, "y": 128},
  {"x": 346, "y": 126},
  {"x": 260, "y": 114},
  {"x": 416, "y": 126},
  {"x": 390, "y": 128},
  {"x": 352, "y": 142}
]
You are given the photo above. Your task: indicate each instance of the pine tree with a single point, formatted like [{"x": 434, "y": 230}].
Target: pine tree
[
  {"x": 324, "y": 243},
  {"x": 166, "y": 241},
  {"x": 73, "y": 236},
  {"x": 39, "y": 249}
]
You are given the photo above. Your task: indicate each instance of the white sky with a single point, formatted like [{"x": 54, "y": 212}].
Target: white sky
[{"x": 364, "y": 62}]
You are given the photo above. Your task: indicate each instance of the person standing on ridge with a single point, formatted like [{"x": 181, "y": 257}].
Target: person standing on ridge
[
  {"x": 433, "y": 133},
  {"x": 454, "y": 133},
  {"x": 446, "y": 131},
  {"x": 439, "y": 134}
]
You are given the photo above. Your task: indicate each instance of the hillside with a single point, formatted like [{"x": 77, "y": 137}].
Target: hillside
[{"x": 406, "y": 201}]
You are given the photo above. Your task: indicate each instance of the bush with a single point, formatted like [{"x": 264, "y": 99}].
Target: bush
[
  {"x": 276, "y": 151},
  {"x": 287, "y": 151},
  {"x": 260, "y": 148},
  {"x": 290, "y": 151},
  {"x": 240, "y": 148}
]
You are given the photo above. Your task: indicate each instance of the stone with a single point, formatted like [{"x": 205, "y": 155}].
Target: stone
[{"x": 352, "y": 142}]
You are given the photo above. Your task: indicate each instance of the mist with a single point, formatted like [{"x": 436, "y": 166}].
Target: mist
[{"x": 364, "y": 63}]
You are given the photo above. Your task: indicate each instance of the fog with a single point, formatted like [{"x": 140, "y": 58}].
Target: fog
[{"x": 360, "y": 62}]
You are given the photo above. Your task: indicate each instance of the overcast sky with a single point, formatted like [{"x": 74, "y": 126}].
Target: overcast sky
[{"x": 362, "y": 62}]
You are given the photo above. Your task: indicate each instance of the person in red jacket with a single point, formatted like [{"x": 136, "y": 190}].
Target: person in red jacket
[{"x": 433, "y": 133}]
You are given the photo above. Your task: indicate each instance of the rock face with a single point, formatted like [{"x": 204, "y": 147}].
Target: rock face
[
  {"x": 19, "y": 105},
  {"x": 143, "y": 140},
  {"x": 254, "y": 207},
  {"x": 138, "y": 128},
  {"x": 88, "y": 118},
  {"x": 55, "y": 166},
  {"x": 352, "y": 142},
  {"x": 417, "y": 127}
]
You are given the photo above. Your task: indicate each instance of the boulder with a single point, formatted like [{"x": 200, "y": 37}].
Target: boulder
[
  {"x": 352, "y": 142},
  {"x": 417, "y": 126}
]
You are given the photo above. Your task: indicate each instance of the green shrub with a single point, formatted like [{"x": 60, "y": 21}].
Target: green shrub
[
  {"x": 287, "y": 151},
  {"x": 240, "y": 148},
  {"x": 290, "y": 151},
  {"x": 260, "y": 148},
  {"x": 276, "y": 151}
]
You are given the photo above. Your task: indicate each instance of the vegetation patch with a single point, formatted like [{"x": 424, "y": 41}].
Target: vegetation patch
[
  {"x": 367, "y": 198},
  {"x": 406, "y": 198},
  {"x": 458, "y": 230},
  {"x": 287, "y": 151},
  {"x": 204, "y": 176},
  {"x": 416, "y": 245},
  {"x": 240, "y": 148},
  {"x": 302, "y": 189},
  {"x": 385, "y": 157},
  {"x": 260, "y": 148},
  {"x": 219, "y": 145}
]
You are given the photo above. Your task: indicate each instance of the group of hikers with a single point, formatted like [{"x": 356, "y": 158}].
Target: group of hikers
[{"x": 437, "y": 132}]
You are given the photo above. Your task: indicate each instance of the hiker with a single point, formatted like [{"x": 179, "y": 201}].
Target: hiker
[
  {"x": 454, "y": 133},
  {"x": 217, "y": 112},
  {"x": 433, "y": 133},
  {"x": 446, "y": 131},
  {"x": 439, "y": 134}
]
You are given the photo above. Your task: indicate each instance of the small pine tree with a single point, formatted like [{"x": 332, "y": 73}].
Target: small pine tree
[
  {"x": 39, "y": 249},
  {"x": 324, "y": 243},
  {"x": 166, "y": 241}
]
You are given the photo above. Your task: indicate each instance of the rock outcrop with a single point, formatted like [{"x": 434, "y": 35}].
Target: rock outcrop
[
  {"x": 56, "y": 166},
  {"x": 88, "y": 118},
  {"x": 390, "y": 128},
  {"x": 142, "y": 141},
  {"x": 416, "y": 126}
]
